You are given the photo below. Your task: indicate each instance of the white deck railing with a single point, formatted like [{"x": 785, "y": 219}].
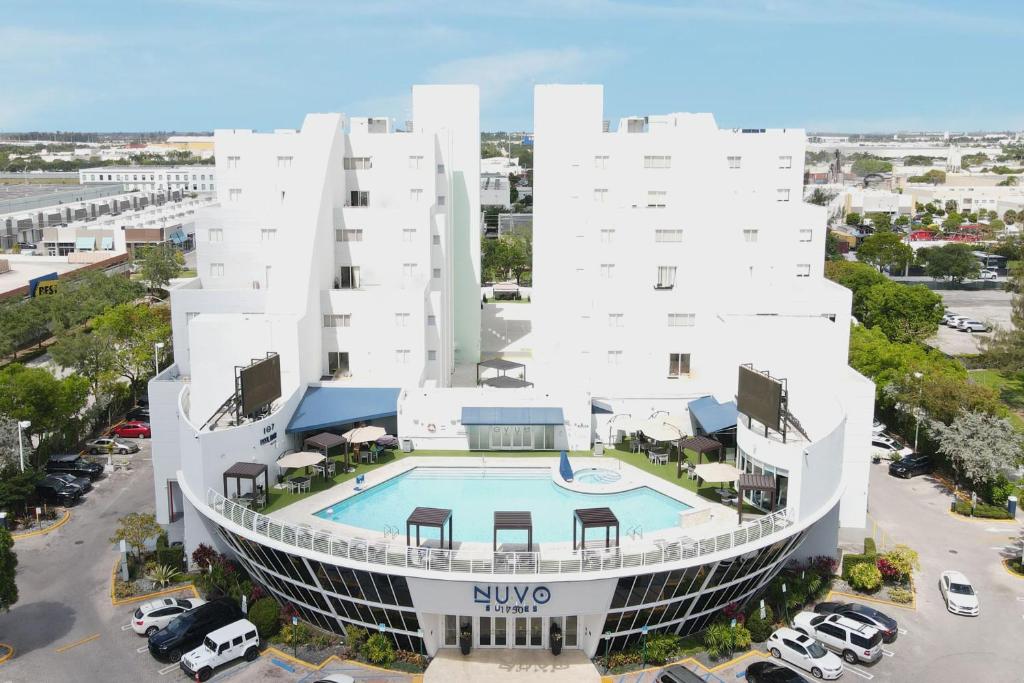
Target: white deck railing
[{"x": 484, "y": 561}]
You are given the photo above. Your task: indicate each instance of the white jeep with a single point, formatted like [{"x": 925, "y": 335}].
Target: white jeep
[{"x": 220, "y": 647}]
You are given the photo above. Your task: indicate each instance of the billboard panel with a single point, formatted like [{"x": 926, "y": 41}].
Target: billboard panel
[
  {"x": 260, "y": 384},
  {"x": 760, "y": 397}
]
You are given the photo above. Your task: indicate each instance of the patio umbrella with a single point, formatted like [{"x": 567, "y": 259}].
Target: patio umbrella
[
  {"x": 717, "y": 471},
  {"x": 680, "y": 422},
  {"x": 302, "y": 459},
  {"x": 658, "y": 430},
  {"x": 364, "y": 434}
]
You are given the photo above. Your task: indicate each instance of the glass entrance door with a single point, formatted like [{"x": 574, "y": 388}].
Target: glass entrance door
[{"x": 491, "y": 632}]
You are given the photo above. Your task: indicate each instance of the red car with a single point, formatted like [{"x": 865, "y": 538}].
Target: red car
[{"x": 133, "y": 430}]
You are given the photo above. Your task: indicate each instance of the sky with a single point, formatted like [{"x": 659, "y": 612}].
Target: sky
[{"x": 824, "y": 65}]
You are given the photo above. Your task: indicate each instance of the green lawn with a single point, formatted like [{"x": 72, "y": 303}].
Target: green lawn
[
  {"x": 1010, "y": 388},
  {"x": 278, "y": 498}
]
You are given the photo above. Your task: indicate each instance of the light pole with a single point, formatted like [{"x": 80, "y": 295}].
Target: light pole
[
  {"x": 22, "y": 424},
  {"x": 917, "y": 410},
  {"x": 156, "y": 355}
]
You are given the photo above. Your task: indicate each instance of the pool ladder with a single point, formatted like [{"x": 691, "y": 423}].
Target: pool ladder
[
  {"x": 634, "y": 531},
  {"x": 391, "y": 532}
]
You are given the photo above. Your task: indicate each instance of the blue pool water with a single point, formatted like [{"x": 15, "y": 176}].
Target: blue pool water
[
  {"x": 474, "y": 494},
  {"x": 596, "y": 475}
]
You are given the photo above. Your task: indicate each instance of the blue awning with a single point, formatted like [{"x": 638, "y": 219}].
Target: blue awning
[
  {"x": 107, "y": 243},
  {"x": 711, "y": 415},
  {"x": 600, "y": 407},
  {"x": 512, "y": 416},
  {"x": 323, "y": 407},
  {"x": 178, "y": 237},
  {"x": 85, "y": 243}
]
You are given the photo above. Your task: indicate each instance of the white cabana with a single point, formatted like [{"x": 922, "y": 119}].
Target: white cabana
[
  {"x": 364, "y": 434},
  {"x": 301, "y": 459},
  {"x": 659, "y": 430},
  {"x": 717, "y": 472}
]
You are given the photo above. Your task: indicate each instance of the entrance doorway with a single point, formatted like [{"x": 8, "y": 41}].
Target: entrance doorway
[
  {"x": 175, "y": 501},
  {"x": 524, "y": 631}
]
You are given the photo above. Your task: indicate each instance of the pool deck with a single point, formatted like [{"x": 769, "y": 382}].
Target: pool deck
[{"x": 703, "y": 519}]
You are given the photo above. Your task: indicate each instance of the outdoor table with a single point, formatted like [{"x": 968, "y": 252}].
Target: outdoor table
[
  {"x": 659, "y": 457},
  {"x": 298, "y": 484},
  {"x": 726, "y": 495},
  {"x": 245, "y": 500}
]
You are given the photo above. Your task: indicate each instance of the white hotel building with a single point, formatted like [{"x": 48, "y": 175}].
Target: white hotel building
[
  {"x": 352, "y": 251},
  {"x": 190, "y": 178}
]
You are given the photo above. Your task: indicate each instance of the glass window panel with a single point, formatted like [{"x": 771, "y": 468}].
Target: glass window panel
[
  {"x": 622, "y": 589},
  {"x": 401, "y": 589},
  {"x": 570, "y": 633},
  {"x": 639, "y": 590},
  {"x": 500, "y": 637},
  {"x": 536, "y": 631},
  {"x": 451, "y": 630},
  {"x": 520, "y": 632},
  {"x": 366, "y": 583},
  {"x": 380, "y": 582},
  {"x": 485, "y": 630}
]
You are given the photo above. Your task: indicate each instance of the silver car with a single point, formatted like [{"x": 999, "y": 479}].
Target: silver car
[{"x": 108, "y": 444}]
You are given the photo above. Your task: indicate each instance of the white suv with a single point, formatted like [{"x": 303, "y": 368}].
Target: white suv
[
  {"x": 805, "y": 652},
  {"x": 855, "y": 641},
  {"x": 220, "y": 647},
  {"x": 152, "y": 616}
]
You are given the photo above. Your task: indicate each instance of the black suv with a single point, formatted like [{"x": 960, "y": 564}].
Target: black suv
[
  {"x": 56, "y": 490},
  {"x": 187, "y": 632},
  {"x": 140, "y": 413},
  {"x": 911, "y": 465},
  {"x": 72, "y": 463}
]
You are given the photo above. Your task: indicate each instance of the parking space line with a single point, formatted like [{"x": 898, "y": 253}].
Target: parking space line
[
  {"x": 903, "y": 631},
  {"x": 862, "y": 674},
  {"x": 168, "y": 669},
  {"x": 142, "y": 649},
  {"x": 83, "y": 641},
  {"x": 126, "y": 627},
  {"x": 888, "y": 653}
]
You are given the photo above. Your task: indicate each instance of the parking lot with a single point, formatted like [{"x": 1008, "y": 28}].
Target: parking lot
[{"x": 991, "y": 306}]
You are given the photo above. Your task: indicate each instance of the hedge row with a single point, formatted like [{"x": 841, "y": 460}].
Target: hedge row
[{"x": 963, "y": 507}]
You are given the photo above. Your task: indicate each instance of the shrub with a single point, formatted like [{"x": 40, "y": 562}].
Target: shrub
[
  {"x": 162, "y": 575},
  {"x": 123, "y": 589},
  {"x": 865, "y": 577},
  {"x": 321, "y": 640},
  {"x": 624, "y": 658},
  {"x": 661, "y": 647},
  {"x": 824, "y": 565},
  {"x": 265, "y": 614},
  {"x": 851, "y": 561},
  {"x": 378, "y": 650},
  {"x": 888, "y": 571},
  {"x": 172, "y": 557},
  {"x": 355, "y": 637},
  {"x": 718, "y": 640},
  {"x": 414, "y": 659},
  {"x": 760, "y": 628},
  {"x": 741, "y": 637},
  {"x": 900, "y": 595},
  {"x": 733, "y": 611},
  {"x": 204, "y": 555},
  {"x": 869, "y": 546},
  {"x": 903, "y": 560},
  {"x": 298, "y": 634},
  {"x": 963, "y": 507},
  {"x": 998, "y": 490}
]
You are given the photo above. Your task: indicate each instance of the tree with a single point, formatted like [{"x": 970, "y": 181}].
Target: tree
[
  {"x": 34, "y": 394},
  {"x": 853, "y": 218},
  {"x": 995, "y": 225},
  {"x": 160, "y": 263},
  {"x": 864, "y": 165},
  {"x": 132, "y": 331},
  {"x": 513, "y": 191},
  {"x": 903, "y": 313},
  {"x": 1010, "y": 216},
  {"x": 1004, "y": 350},
  {"x": 902, "y": 221},
  {"x": 885, "y": 250},
  {"x": 8, "y": 571},
  {"x": 952, "y": 222},
  {"x": 832, "y": 252},
  {"x": 980, "y": 446},
  {"x": 917, "y": 160},
  {"x": 955, "y": 262},
  {"x": 942, "y": 396},
  {"x": 882, "y": 222},
  {"x": 90, "y": 355},
  {"x": 820, "y": 197},
  {"x": 887, "y": 363},
  {"x": 1009, "y": 181},
  {"x": 857, "y": 277},
  {"x": 950, "y": 205},
  {"x": 135, "y": 529}
]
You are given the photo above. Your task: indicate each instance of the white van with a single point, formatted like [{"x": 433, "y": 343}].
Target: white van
[{"x": 220, "y": 647}]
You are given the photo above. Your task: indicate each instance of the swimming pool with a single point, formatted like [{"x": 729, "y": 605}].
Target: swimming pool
[
  {"x": 596, "y": 475},
  {"x": 474, "y": 494}
]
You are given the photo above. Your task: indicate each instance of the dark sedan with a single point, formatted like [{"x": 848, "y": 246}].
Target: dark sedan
[
  {"x": 911, "y": 466},
  {"x": 866, "y": 615},
  {"x": 83, "y": 483},
  {"x": 769, "y": 672}
]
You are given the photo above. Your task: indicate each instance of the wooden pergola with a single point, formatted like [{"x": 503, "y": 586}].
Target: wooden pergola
[
  {"x": 754, "y": 482},
  {"x": 700, "y": 445},
  {"x": 324, "y": 442},
  {"x": 246, "y": 470},
  {"x": 595, "y": 518},
  {"x": 514, "y": 521},
  {"x": 429, "y": 517}
]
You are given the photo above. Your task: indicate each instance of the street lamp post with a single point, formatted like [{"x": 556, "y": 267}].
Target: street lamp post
[
  {"x": 22, "y": 424},
  {"x": 156, "y": 355},
  {"x": 917, "y": 411}
]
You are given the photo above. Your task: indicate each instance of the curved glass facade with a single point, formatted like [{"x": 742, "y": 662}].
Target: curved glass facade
[{"x": 685, "y": 600}]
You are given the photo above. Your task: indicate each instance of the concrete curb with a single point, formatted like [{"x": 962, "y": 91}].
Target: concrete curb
[
  {"x": 610, "y": 678},
  {"x": 981, "y": 520},
  {"x": 1006, "y": 566},
  {"x": 272, "y": 651},
  {"x": 8, "y": 652},
  {"x": 39, "y": 532}
]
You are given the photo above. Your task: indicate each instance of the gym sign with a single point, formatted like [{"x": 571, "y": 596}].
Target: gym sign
[{"x": 511, "y": 599}]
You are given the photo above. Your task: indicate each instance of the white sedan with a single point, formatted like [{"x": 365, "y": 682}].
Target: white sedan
[
  {"x": 152, "y": 616},
  {"x": 959, "y": 594},
  {"x": 805, "y": 652}
]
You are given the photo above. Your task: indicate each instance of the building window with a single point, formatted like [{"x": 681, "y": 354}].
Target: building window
[
  {"x": 436, "y": 273},
  {"x": 785, "y": 162},
  {"x": 402, "y": 356},
  {"x": 656, "y": 199},
  {"x": 234, "y": 194},
  {"x": 615, "y": 319},
  {"x": 358, "y": 163},
  {"x": 431, "y": 354},
  {"x": 349, "y": 235},
  {"x": 284, "y": 162},
  {"x": 782, "y": 195},
  {"x": 608, "y": 270},
  {"x": 601, "y": 161},
  {"x": 408, "y": 234},
  {"x": 682, "y": 319},
  {"x": 216, "y": 270},
  {"x": 338, "y": 320},
  {"x": 216, "y": 234},
  {"x": 401, "y": 319},
  {"x": 607, "y": 235},
  {"x": 674, "y": 235},
  {"x": 348, "y": 278},
  {"x": 408, "y": 270},
  {"x": 734, "y": 162},
  {"x": 615, "y": 357},
  {"x": 201, "y": 177},
  {"x": 750, "y": 235},
  {"x": 600, "y": 194},
  {"x": 431, "y": 321},
  {"x": 657, "y": 162},
  {"x": 268, "y": 234},
  {"x": 358, "y": 198},
  {"x": 415, "y": 194},
  {"x": 440, "y": 200},
  {"x": 233, "y": 162},
  {"x": 666, "y": 277},
  {"x": 414, "y": 161},
  {"x": 806, "y": 235},
  {"x": 435, "y": 240},
  {"x": 803, "y": 270},
  {"x": 440, "y": 169},
  {"x": 678, "y": 364}
]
